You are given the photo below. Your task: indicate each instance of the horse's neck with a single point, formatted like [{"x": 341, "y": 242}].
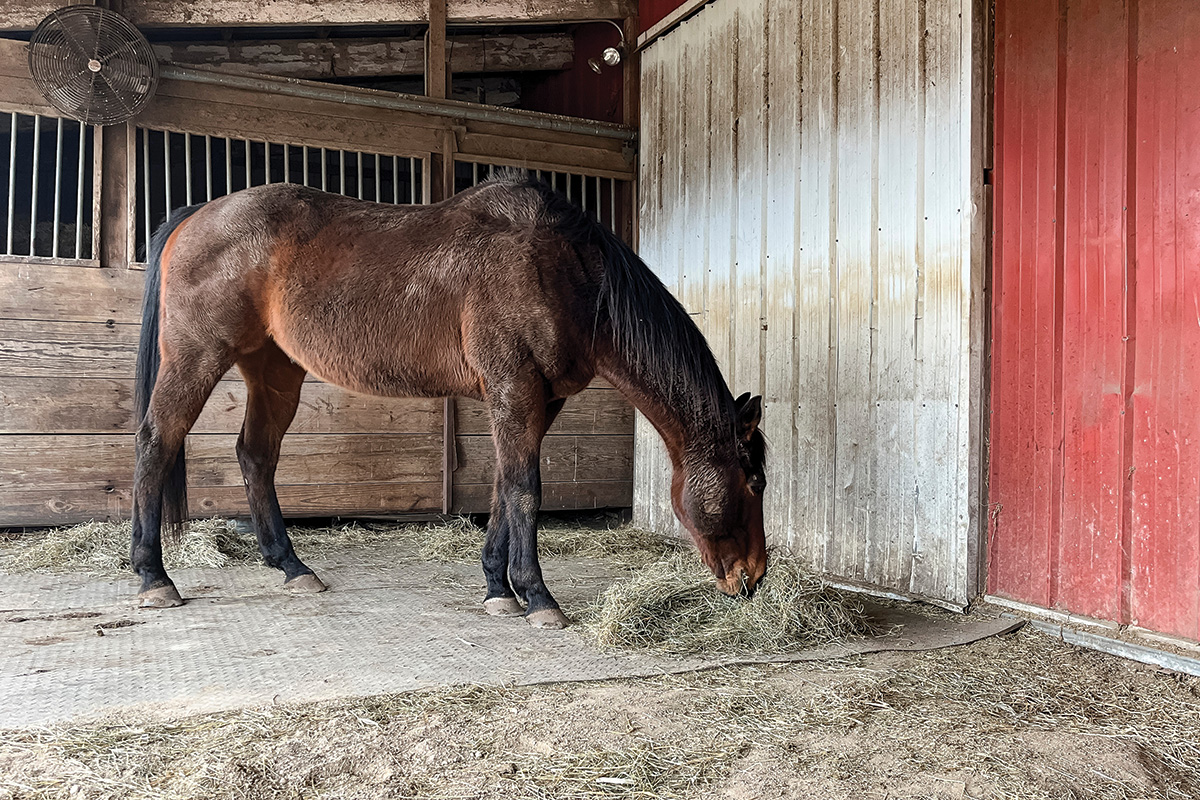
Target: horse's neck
[{"x": 688, "y": 430}]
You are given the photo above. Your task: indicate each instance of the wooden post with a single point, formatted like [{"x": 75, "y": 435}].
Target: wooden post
[
  {"x": 630, "y": 113},
  {"x": 114, "y": 206},
  {"x": 436, "y": 73},
  {"x": 449, "y": 407}
]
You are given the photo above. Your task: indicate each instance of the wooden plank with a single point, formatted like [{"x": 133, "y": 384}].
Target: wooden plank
[
  {"x": 69, "y": 293},
  {"x": 66, "y": 405},
  {"x": 55, "y": 349},
  {"x": 63, "y": 506},
  {"x": 49, "y": 463},
  {"x": 322, "y": 500},
  {"x": 476, "y": 498},
  {"x": 322, "y": 59},
  {"x": 436, "y": 75},
  {"x": 314, "y": 459},
  {"x": 325, "y": 408},
  {"x": 258, "y": 119},
  {"x": 23, "y": 15},
  {"x": 564, "y": 458},
  {"x": 592, "y": 411},
  {"x": 517, "y": 149},
  {"x": 68, "y": 506}
]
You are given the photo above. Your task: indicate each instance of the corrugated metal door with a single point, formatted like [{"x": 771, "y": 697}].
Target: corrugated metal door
[{"x": 1095, "y": 444}]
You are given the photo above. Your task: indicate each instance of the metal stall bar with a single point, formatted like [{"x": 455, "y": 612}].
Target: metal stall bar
[
  {"x": 58, "y": 143},
  {"x": 37, "y": 152},
  {"x": 79, "y": 192},
  {"x": 12, "y": 179},
  {"x": 208, "y": 166}
]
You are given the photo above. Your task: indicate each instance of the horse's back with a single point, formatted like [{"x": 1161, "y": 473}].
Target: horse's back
[{"x": 393, "y": 300}]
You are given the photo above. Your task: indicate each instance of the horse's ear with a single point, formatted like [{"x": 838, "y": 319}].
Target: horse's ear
[{"x": 749, "y": 415}]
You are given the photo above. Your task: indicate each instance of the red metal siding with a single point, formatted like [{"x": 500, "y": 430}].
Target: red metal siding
[
  {"x": 1095, "y": 473},
  {"x": 652, "y": 11}
]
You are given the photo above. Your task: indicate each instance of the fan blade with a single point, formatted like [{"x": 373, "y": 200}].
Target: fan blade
[{"x": 64, "y": 28}]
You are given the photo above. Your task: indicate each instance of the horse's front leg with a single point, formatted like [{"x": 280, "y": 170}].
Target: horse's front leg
[{"x": 519, "y": 422}]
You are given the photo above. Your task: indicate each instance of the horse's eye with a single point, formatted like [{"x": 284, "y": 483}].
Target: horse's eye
[{"x": 757, "y": 483}]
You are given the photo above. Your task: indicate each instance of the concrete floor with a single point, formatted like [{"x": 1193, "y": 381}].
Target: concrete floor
[{"x": 74, "y": 648}]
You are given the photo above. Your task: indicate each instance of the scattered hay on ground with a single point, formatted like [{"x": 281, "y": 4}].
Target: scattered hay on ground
[
  {"x": 672, "y": 606},
  {"x": 1020, "y": 716},
  {"x": 461, "y": 540},
  {"x": 102, "y": 548}
]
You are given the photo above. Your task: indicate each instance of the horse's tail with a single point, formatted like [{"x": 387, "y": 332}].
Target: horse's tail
[{"x": 174, "y": 493}]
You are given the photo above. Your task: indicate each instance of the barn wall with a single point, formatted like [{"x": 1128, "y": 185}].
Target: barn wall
[
  {"x": 1095, "y": 469},
  {"x": 68, "y": 336},
  {"x": 806, "y": 190}
]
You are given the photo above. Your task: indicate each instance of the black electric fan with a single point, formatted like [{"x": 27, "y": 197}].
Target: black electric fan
[{"x": 92, "y": 64}]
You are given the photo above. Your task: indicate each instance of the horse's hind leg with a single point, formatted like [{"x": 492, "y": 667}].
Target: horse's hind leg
[
  {"x": 273, "y": 385},
  {"x": 179, "y": 396},
  {"x": 501, "y": 599}
]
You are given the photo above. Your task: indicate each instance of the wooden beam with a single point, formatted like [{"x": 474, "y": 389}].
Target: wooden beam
[
  {"x": 437, "y": 77},
  {"x": 18, "y": 15},
  {"x": 370, "y": 58}
]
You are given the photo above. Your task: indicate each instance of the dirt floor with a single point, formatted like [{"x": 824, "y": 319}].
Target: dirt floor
[{"x": 1017, "y": 716}]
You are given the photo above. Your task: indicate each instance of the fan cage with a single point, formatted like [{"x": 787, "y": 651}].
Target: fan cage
[{"x": 93, "y": 64}]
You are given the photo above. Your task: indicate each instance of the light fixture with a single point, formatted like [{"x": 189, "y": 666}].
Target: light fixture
[{"x": 612, "y": 55}]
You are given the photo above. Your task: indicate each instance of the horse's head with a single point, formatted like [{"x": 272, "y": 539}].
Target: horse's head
[{"x": 719, "y": 499}]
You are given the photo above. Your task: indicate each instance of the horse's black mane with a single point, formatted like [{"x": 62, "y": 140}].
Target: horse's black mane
[{"x": 651, "y": 330}]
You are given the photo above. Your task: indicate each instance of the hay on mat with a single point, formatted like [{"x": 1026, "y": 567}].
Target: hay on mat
[{"x": 673, "y": 606}]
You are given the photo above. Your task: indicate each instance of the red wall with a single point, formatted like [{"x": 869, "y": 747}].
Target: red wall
[
  {"x": 1095, "y": 437},
  {"x": 651, "y": 11},
  {"x": 580, "y": 92}
]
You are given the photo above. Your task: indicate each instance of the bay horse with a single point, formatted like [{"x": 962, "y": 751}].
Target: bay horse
[{"x": 506, "y": 293}]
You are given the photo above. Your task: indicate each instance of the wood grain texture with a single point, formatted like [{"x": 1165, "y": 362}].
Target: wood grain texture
[
  {"x": 17, "y": 15},
  {"x": 54, "y": 349},
  {"x": 476, "y": 498},
  {"x": 314, "y": 459},
  {"x": 581, "y": 459},
  {"x": 592, "y": 411},
  {"x": 321, "y": 59},
  {"x": 69, "y": 293}
]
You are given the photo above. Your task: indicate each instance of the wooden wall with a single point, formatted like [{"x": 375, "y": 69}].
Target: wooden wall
[
  {"x": 68, "y": 335},
  {"x": 809, "y": 188}
]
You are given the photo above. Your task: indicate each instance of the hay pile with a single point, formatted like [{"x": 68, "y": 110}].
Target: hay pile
[{"x": 673, "y": 607}]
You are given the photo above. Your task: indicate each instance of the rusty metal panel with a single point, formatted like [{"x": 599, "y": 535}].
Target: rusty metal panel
[{"x": 806, "y": 192}]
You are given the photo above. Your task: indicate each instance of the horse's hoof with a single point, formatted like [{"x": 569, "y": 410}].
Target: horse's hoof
[
  {"x": 548, "y": 618},
  {"x": 160, "y": 597},
  {"x": 503, "y": 607},
  {"x": 307, "y": 583}
]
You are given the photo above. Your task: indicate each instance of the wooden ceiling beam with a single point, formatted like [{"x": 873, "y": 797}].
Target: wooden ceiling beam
[
  {"x": 321, "y": 59},
  {"x": 25, "y": 14}
]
